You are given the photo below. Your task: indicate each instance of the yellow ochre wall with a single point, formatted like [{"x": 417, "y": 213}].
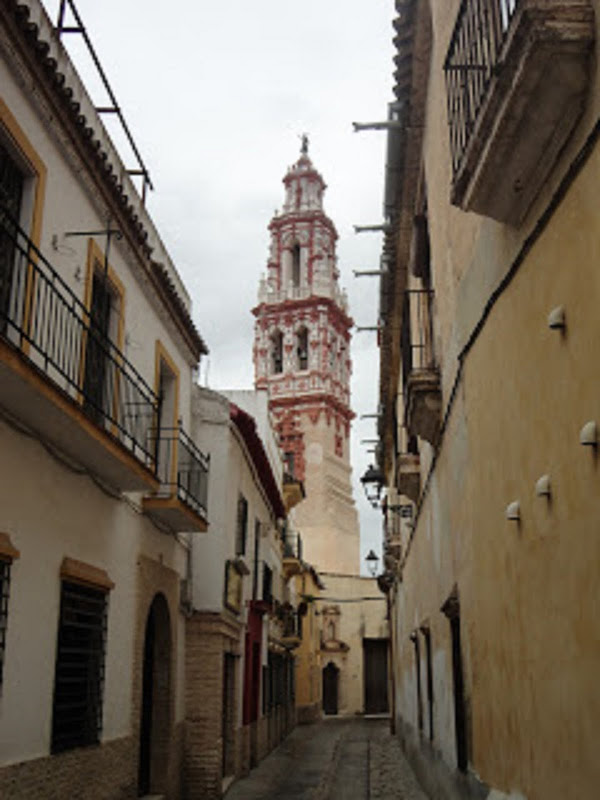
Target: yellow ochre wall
[
  {"x": 528, "y": 592},
  {"x": 529, "y": 599}
]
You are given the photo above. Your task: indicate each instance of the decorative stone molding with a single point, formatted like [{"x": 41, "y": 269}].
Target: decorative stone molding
[
  {"x": 423, "y": 404},
  {"x": 409, "y": 476}
]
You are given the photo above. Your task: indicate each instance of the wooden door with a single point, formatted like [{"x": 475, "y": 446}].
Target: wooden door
[
  {"x": 376, "y": 675},
  {"x": 330, "y": 689}
]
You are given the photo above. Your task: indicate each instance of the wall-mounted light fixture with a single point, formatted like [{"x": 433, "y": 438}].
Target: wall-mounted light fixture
[
  {"x": 513, "y": 511},
  {"x": 542, "y": 487},
  {"x": 383, "y": 228},
  {"x": 372, "y": 560},
  {"x": 588, "y": 435},
  {"x": 557, "y": 319},
  {"x": 372, "y": 482}
]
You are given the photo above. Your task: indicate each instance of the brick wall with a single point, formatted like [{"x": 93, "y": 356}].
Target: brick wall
[{"x": 208, "y": 637}]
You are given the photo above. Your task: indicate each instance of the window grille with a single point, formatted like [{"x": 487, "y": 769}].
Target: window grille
[
  {"x": 242, "y": 526},
  {"x": 4, "y": 591},
  {"x": 472, "y": 60},
  {"x": 79, "y": 675}
]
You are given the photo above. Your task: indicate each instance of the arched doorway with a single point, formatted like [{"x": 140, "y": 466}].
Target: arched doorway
[
  {"x": 330, "y": 688},
  {"x": 155, "y": 723}
]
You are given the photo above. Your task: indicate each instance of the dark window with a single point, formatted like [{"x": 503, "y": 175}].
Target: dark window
[
  {"x": 4, "y": 591},
  {"x": 302, "y": 349},
  {"x": 277, "y": 351},
  {"x": 267, "y": 586},
  {"x": 289, "y": 461},
  {"x": 257, "y": 529},
  {"x": 451, "y": 609},
  {"x": 296, "y": 265},
  {"x": 11, "y": 195},
  {"x": 415, "y": 640},
  {"x": 266, "y": 693},
  {"x": 242, "y": 526},
  {"x": 97, "y": 386},
  {"x": 79, "y": 675},
  {"x": 429, "y": 664}
]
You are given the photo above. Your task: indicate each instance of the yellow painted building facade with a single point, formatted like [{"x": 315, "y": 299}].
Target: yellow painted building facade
[{"x": 307, "y": 587}]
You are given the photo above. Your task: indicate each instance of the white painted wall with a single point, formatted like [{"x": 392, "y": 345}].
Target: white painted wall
[{"x": 50, "y": 512}]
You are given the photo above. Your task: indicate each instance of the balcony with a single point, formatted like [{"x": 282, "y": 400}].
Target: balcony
[
  {"x": 392, "y": 553},
  {"x": 292, "y": 628},
  {"x": 293, "y": 491},
  {"x": 517, "y": 73},
  {"x": 181, "y": 501},
  {"x": 420, "y": 376},
  {"x": 62, "y": 378},
  {"x": 292, "y": 554},
  {"x": 408, "y": 476}
]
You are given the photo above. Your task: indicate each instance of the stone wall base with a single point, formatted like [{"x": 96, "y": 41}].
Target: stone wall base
[
  {"x": 209, "y": 636},
  {"x": 433, "y": 773},
  {"x": 308, "y": 713},
  {"x": 107, "y": 771}
]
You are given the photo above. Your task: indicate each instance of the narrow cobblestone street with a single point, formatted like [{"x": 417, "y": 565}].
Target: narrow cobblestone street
[{"x": 337, "y": 759}]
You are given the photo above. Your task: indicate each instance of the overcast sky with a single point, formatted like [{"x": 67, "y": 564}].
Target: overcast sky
[{"x": 216, "y": 94}]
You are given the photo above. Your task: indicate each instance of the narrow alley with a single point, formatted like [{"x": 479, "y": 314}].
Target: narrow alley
[{"x": 335, "y": 759}]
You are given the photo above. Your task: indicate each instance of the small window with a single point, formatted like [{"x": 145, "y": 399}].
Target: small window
[
  {"x": 257, "y": 531},
  {"x": 296, "y": 266},
  {"x": 302, "y": 348},
  {"x": 79, "y": 674},
  {"x": 7, "y": 554},
  {"x": 267, "y": 593},
  {"x": 4, "y": 591},
  {"x": 11, "y": 194},
  {"x": 289, "y": 463},
  {"x": 242, "y": 526},
  {"x": 277, "y": 352}
]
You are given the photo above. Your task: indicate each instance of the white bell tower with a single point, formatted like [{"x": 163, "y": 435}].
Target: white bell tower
[{"x": 302, "y": 357}]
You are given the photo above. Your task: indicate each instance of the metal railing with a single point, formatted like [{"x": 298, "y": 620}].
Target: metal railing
[
  {"x": 43, "y": 318},
  {"x": 417, "y": 331},
  {"x": 182, "y": 468},
  {"x": 471, "y": 62},
  {"x": 292, "y": 545}
]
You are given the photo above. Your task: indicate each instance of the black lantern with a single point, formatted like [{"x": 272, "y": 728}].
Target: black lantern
[
  {"x": 372, "y": 481},
  {"x": 372, "y": 560}
]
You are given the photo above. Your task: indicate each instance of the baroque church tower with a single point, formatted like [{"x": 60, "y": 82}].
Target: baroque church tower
[{"x": 302, "y": 357}]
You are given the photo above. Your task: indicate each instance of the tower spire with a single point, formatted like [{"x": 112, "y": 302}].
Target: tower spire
[{"x": 304, "y": 147}]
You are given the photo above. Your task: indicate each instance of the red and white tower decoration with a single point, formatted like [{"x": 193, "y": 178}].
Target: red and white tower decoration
[{"x": 302, "y": 357}]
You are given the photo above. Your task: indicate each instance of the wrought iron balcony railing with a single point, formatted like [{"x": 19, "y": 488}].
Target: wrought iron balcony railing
[
  {"x": 42, "y": 318},
  {"x": 182, "y": 469},
  {"x": 417, "y": 331},
  {"x": 472, "y": 60}
]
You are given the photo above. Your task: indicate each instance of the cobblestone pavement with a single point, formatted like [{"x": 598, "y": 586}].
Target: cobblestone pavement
[{"x": 337, "y": 759}]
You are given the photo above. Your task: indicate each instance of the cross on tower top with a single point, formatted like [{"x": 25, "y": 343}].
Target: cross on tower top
[{"x": 304, "y": 147}]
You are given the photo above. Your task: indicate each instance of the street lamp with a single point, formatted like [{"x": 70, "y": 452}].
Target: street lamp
[
  {"x": 372, "y": 560},
  {"x": 372, "y": 482}
]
